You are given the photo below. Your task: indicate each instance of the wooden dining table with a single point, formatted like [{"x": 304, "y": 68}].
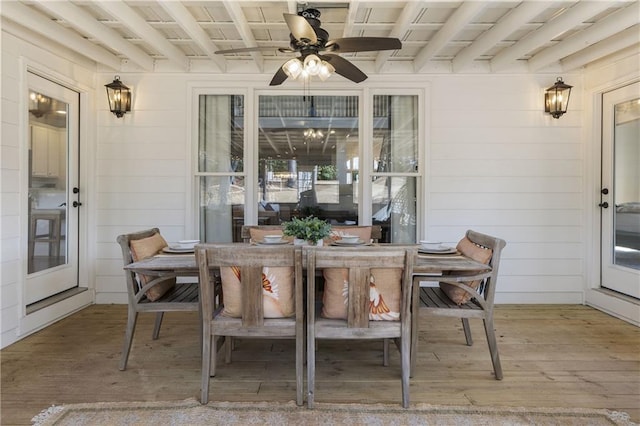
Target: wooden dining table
[{"x": 429, "y": 266}]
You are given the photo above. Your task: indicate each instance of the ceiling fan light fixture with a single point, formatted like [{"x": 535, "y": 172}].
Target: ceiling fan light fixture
[
  {"x": 292, "y": 68},
  {"x": 312, "y": 64},
  {"x": 326, "y": 69}
]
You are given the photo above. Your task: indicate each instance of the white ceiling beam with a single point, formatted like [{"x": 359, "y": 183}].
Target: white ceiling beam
[
  {"x": 292, "y": 5},
  {"x": 41, "y": 24},
  {"x": 187, "y": 22},
  {"x": 570, "y": 18},
  {"x": 461, "y": 17},
  {"x": 399, "y": 30},
  {"x": 620, "y": 41},
  {"x": 351, "y": 18},
  {"x": 83, "y": 21},
  {"x": 235, "y": 11},
  {"x": 135, "y": 23},
  {"x": 611, "y": 25},
  {"x": 506, "y": 26}
]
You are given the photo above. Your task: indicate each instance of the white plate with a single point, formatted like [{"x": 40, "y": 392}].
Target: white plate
[
  {"x": 277, "y": 243},
  {"x": 442, "y": 250},
  {"x": 344, "y": 243},
  {"x": 178, "y": 250}
]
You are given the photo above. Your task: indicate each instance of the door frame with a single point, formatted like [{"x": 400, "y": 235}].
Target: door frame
[
  {"x": 41, "y": 318},
  {"x": 40, "y": 284},
  {"x": 615, "y": 277},
  {"x": 611, "y": 302}
]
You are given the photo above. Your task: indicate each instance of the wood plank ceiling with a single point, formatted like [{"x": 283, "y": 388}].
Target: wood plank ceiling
[{"x": 437, "y": 36}]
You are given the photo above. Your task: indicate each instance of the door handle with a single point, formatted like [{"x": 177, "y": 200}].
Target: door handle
[
  {"x": 604, "y": 205},
  {"x": 76, "y": 204}
]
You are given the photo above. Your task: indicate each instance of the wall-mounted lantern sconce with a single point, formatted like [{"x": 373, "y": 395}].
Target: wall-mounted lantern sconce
[
  {"x": 556, "y": 98},
  {"x": 119, "y": 97}
]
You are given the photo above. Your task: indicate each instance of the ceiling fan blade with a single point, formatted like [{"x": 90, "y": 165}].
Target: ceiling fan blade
[
  {"x": 300, "y": 28},
  {"x": 363, "y": 44},
  {"x": 278, "y": 78},
  {"x": 247, "y": 49},
  {"x": 345, "y": 68}
]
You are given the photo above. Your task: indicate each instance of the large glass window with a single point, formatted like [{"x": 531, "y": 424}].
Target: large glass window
[
  {"x": 308, "y": 154},
  {"x": 303, "y": 158},
  {"x": 221, "y": 167},
  {"x": 395, "y": 166}
]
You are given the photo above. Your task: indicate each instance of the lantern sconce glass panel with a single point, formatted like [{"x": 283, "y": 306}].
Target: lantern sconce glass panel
[{"x": 119, "y": 97}]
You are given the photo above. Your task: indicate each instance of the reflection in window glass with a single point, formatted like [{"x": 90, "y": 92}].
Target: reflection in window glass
[
  {"x": 627, "y": 184},
  {"x": 308, "y": 158},
  {"x": 394, "y": 208},
  {"x": 220, "y": 167},
  {"x": 221, "y": 208},
  {"x": 220, "y": 133},
  {"x": 395, "y": 151},
  {"x": 395, "y": 134}
]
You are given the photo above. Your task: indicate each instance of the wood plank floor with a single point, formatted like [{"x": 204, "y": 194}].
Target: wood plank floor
[{"x": 552, "y": 356}]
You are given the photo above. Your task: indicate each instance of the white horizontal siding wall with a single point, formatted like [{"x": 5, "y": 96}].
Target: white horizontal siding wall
[
  {"x": 141, "y": 172},
  {"x": 499, "y": 165},
  {"x": 495, "y": 163}
]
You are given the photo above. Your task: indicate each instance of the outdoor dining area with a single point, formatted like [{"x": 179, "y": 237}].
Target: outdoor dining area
[{"x": 311, "y": 282}]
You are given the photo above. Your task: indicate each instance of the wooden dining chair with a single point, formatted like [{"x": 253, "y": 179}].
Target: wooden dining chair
[
  {"x": 464, "y": 296},
  {"x": 367, "y": 296},
  {"x": 157, "y": 294},
  {"x": 263, "y": 288}
]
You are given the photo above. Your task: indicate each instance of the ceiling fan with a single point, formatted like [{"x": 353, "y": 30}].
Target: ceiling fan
[{"x": 318, "y": 52}]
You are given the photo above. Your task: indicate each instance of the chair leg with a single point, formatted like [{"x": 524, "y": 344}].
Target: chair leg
[
  {"x": 405, "y": 354},
  {"x": 132, "y": 317},
  {"x": 415, "y": 308},
  {"x": 493, "y": 347},
  {"x": 208, "y": 344},
  {"x": 311, "y": 364},
  {"x": 385, "y": 352},
  {"x": 228, "y": 349},
  {"x": 156, "y": 327},
  {"x": 300, "y": 344},
  {"x": 467, "y": 331}
]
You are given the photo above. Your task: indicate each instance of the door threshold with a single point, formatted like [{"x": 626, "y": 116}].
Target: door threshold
[{"x": 44, "y": 303}]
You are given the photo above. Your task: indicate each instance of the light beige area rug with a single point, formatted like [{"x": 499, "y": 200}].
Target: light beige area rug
[{"x": 190, "y": 412}]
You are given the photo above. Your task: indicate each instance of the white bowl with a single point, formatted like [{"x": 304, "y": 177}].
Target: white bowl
[
  {"x": 350, "y": 239},
  {"x": 272, "y": 239},
  {"x": 430, "y": 245},
  {"x": 187, "y": 244}
]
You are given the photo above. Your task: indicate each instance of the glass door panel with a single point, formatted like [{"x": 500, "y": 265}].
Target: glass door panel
[{"x": 621, "y": 191}]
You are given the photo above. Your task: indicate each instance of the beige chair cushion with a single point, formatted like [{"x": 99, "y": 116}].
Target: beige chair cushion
[
  {"x": 475, "y": 252},
  {"x": 334, "y": 298},
  {"x": 277, "y": 291},
  {"x": 384, "y": 294},
  {"x": 145, "y": 248}
]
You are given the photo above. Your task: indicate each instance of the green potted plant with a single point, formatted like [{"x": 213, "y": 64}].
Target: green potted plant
[{"x": 309, "y": 229}]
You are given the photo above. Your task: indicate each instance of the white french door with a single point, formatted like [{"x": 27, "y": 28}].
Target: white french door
[
  {"x": 52, "y": 212},
  {"x": 620, "y": 199}
]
